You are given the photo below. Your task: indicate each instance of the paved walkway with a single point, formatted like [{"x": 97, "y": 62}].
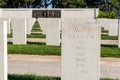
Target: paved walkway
[{"x": 50, "y": 65}]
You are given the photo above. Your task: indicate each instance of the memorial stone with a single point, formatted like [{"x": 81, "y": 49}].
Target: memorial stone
[
  {"x": 80, "y": 51},
  {"x": 19, "y": 31},
  {"x": 3, "y": 50}
]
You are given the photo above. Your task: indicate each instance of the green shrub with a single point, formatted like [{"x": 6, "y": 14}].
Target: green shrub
[
  {"x": 102, "y": 15},
  {"x": 111, "y": 15}
]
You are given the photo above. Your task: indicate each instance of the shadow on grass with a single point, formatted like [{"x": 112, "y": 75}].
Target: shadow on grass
[
  {"x": 107, "y": 45},
  {"x": 34, "y": 77}
]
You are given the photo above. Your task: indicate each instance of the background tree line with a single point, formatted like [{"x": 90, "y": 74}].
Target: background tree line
[{"x": 104, "y": 5}]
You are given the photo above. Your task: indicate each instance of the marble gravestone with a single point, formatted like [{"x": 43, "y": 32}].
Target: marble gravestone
[
  {"x": 29, "y": 23},
  {"x": 103, "y": 23},
  {"x": 53, "y": 31},
  {"x": 28, "y": 26},
  {"x": 118, "y": 33},
  {"x": 8, "y": 24},
  {"x": 3, "y": 50},
  {"x": 80, "y": 51},
  {"x": 113, "y": 27},
  {"x": 32, "y": 21},
  {"x": 106, "y": 24},
  {"x": 42, "y": 23},
  {"x": 19, "y": 31}
]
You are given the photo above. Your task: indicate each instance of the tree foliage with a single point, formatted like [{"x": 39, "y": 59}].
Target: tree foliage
[
  {"x": 110, "y": 15},
  {"x": 46, "y": 3},
  {"x": 69, "y": 3},
  {"x": 2, "y": 3}
]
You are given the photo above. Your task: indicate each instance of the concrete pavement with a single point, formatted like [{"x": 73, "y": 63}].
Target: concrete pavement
[{"x": 50, "y": 65}]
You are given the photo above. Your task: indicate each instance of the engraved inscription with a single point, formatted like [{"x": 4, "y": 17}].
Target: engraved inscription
[{"x": 46, "y": 13}]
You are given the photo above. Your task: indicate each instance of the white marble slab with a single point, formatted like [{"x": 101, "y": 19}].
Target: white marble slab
[
  {"x": 3, "y": 50},
  {"x": 80, "y": 51}
]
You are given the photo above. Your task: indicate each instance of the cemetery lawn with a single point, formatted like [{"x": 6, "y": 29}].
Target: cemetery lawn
[
  {"x": 42, "y": 49},
  {"x": 34, "y": 49},
  {"x": 110, "y": 51},
  {"x": 106, "y": 37},
  {"x": 40, "y": 35},
  {"x": 30, "y": 77},
  {"x": 36, "y": 36},
  {"x": 104, "y": 31},
  {"x": 36, "y": 27},
  {"x": 33, "y": 35},
  {"x": 34, "y": 77},
  {"x": 36, "y": 30}
]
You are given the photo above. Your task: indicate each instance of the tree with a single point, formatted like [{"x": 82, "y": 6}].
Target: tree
[
  {"x": 46, "y": 3},
  {"x": 28, "y": 3},
  {"x": 2, "y": 3},
  {"x": 115, "y": 6},
  {"x": 68, "y": 3}
]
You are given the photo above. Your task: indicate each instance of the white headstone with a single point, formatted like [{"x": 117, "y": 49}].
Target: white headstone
[
  {"x": 78, "y": 20},
  {"x": 3, "y": 50},
  {"x": 19, "y": 31},
  {"x": 8, "y": 24},
  {"x": 119, "y": 34},
  {"x": 1, "y": 13},
  {"x": 53, "y": 31},
  {"x": 103, "y": 23},
  {"x": 43, "y": 24},
  {"x": 32, "y": 21},
  {"x": 80, "y": 51},
  {"x": 28, "y": 24},
  {"x": 106, "y": 24},
  {"x": 113, "y": 27},
  {"x": 16, "y": 13},
  {"x": 79, "y": 13}
]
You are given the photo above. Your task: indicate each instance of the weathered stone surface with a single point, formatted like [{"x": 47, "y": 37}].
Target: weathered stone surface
[
  {"x": 53, "y": 31},
  {"x": 113, "y": 27},
  {"x": 19, "y": 31},
  {"x": 80, "y": 51},
  {"x": 3, "y": 50}
]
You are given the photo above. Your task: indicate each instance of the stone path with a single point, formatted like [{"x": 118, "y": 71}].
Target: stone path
[
  {"x": 50, "y": 65},
  {"x": 44, "y": 40}
]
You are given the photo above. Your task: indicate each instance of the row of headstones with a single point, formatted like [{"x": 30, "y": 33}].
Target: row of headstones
[
  {"x": 80, "y": 49},
  {"x": 109, "y": 24},
  {"x": 51, "y": 27},
  {"x": 21, "y": 27},
  {"x": 10, "y": 24}
]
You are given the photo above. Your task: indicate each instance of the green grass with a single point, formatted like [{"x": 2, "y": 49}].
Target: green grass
[
  {"x": 34, "y": 49},
  {"x": 33, "y": 35},
  {"x": 34, "y": 77},
  {"x": 36, "y": 30},
  {"x": 104, "y": 31},
  {"x": 36, "y": 36},
  {"x": 9, "y": 35},
  {"x": 30, "y": 77},
  {"x": 106, "y": 37},
  {"x": 36, "y": 24},
  {"x": 36, "y": 27},
  {"x": 110, "y": 51},
  {"x": 42, "y": 49}
]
